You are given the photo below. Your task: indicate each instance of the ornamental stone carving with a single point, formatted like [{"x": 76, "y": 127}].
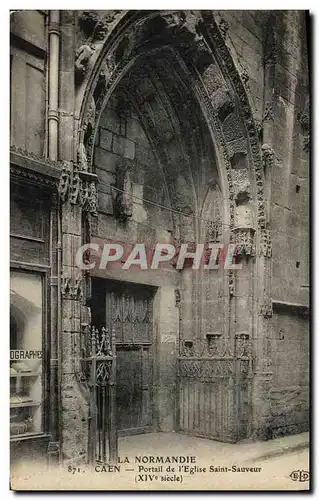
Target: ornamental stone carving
[
  {"x": 268, "y": 156},
  {"x": 266, "y": 307},
  {"x": 82, "y": 158},
  {"x": 223, "y": 26},
  {"x": 177, "y": 297},
  {"x": 174, "y": 19},
  {"x": 268, "y": 113},
  {"x": 241, "y": 185},
  {"x": 213, "y": 230},
  {"x": 242, "y": 345},
  {"x": 63, "y": 186},
  {"x": 244, "y": 238},
  {"x": 71, "y": 288},
  {"x": 304, "y": 120},
  {"x": 95, "y": 25},
  {"x": 82, "y": 57},
  {"x": 266, "y": 244},
  {"x": 231, "y": 283},
  {"x": 79, "y": 187}
]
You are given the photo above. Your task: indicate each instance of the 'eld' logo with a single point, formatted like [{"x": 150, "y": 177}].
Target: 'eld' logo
[{"x": 300, "y": 475}]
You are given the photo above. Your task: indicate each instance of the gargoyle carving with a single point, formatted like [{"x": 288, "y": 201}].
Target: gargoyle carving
[{"x": 83, "y": 55}]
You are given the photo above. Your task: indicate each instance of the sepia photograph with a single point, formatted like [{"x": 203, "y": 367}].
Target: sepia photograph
[{"x": 159, "y": 250}]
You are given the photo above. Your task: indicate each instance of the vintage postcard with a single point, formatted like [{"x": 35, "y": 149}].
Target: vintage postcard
[{"x": 159, "y": 282}]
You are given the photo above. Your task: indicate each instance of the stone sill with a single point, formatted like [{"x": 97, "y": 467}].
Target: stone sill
[
  {"x": 291, "y": 307},
  {"x": 29, "y": 437}
]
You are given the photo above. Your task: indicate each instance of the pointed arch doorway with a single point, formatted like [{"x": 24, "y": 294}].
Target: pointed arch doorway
[{"x": 194, "y": 150}]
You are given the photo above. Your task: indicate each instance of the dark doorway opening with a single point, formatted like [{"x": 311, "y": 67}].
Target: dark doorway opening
[{"x": 127, "y": 310}]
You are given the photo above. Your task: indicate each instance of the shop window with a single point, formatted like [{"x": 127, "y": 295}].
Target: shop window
[{"x": 26, "y": 325}]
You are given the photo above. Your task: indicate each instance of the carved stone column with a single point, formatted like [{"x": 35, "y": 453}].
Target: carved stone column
[{"x": 75, "y": 190}]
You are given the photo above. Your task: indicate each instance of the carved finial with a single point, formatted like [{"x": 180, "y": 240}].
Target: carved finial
[{"x": 93, "y": 340}]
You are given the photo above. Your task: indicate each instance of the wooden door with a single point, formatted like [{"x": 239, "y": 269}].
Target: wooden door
[{"x": 129, "y": 313}]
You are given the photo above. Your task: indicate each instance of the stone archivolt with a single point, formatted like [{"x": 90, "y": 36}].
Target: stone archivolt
[
  {"x": 205, "y": 63},
  {"x": 187, "y": 30}
]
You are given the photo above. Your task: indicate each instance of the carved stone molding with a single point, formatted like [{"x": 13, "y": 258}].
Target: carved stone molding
[
  {"x": 223, "y": 26},
  {"x": 79, "y": 187},
  {"x": 304, "y": 120},
  {"x": 63, "y": 186},
  {"x": 244, "y": 76},
  {"x": 34, "y": 168},
  {"x": 244, "y": 238},
  {"x": 306, "y": 143},
  {"x": 96, "y": 25},
  {"x": 214, "y": 230},
  {"x": 266, "y": 243},
  {"x": 88, "y": 195},
  {"x": 36, "y": 157},
  {"x": 213, "y": 343},
  {"x": 226, "y": 61},
  {"x": 71, "y": 288},
  {"x": 231, "y": 283},
  {"x": 188, "y": 30},
  {"x": 89, "y": 119},
  {"x": 260, "y": 130},
  {"x": 177, "y": 297},
  {"x": 266, "y": 307},
  {"x": 241, "y": 185},
  {"x": 268, "y": 156},
  {"x": 268, "y": 113},
  {"x": 242, "y": 345},
  {"x": 174, "y": 19}
]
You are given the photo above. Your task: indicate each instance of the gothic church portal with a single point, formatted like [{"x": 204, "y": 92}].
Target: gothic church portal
[{"x": 160, "y": 127}]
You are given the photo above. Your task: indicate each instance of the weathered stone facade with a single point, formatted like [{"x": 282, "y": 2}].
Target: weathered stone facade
[{"x": 174, "y": 127}]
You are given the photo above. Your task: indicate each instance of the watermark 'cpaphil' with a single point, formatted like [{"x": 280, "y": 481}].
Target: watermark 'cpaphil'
[{"x": 213, "y": 256}]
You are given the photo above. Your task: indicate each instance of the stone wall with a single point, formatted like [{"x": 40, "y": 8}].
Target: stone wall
[
  {"x": 28, "y": 81},
  {"x": 289, "y": 394},
  {"x": 290, "y": 173},
  {"x": 244, "y": 38},
  {"x": 289, "y": 207},
  {"x": 276, "y": 42}
]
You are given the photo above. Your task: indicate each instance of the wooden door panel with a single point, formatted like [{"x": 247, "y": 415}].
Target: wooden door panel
[
  {"x": 128, "y": 388},
  {"x": 129, "y": 314}
]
